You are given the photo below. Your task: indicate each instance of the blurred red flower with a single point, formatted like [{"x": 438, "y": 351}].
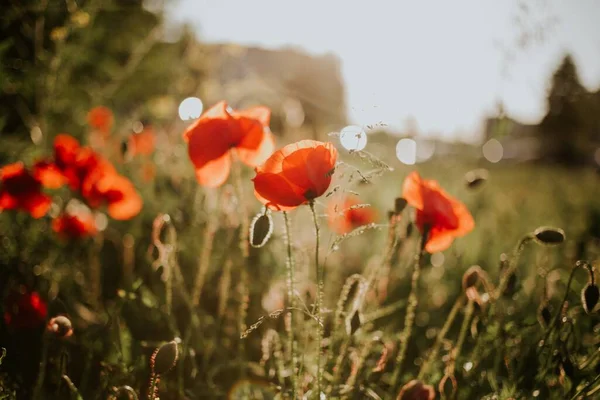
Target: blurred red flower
[
  {"x": 74, "y": 225},
  {"x": 21, "y": 190},
  {"x": 117, "y": 192},
  {"x": 343, "y": 218},
  {"x": 220, "y": 130},
  {"x": 446, "y": 217},
  {"x": 24, "y": 309},
  {"x": 142, "y": 143},
  {"x": 100, "y": 118},
  {"x": 295, "y": 175}
]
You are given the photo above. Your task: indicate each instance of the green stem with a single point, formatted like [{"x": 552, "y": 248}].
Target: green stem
[
  {"x": 512, "y": 266},
  {"x": 292, "y": 304},
  {"x": 462, "y": 335},
  {"x": 42, "y": 370},
  {"x": 409, "y": 319},
  {"x": 319, "y": 305},
  {"x": 440, "y": 337}
]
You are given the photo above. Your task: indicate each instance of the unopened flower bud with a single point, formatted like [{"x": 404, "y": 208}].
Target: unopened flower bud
[
  {"x": 471, "y": 277},
  {"x": 164, "y": 358},
  {"x": 589, "y": 297},
  {"x": 60, "y": 326},
  {"x": 261, "y": 229},
  {"x": 549, "y": 236}
]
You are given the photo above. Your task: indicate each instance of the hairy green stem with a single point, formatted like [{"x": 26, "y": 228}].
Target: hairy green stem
[
  {"x": 462, "y": 335},
  {"x": 440, "y": 337},
  {"x": 291, "y": 292},
  {"x": 409, "y": 319},
  {"x": 319, "y": 305}
]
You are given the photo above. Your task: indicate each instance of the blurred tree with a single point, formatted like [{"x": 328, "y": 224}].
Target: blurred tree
[
  {"x": 59, "y": 59},
  {"x": 570, "y": 127}
]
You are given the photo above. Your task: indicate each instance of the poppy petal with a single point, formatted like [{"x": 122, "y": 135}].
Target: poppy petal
[
  {"x": 257, "y": 146},
  {"x": 320, "y": 164},
  {"x": 215, "y": 172},
  {"x": 277, "y": 190},
  {"x": 260, "y": 113},
  {"x": 412, "y": 190},
  {"x": 127, "y": 207},
  {"x": 7, "y": 201},
  {"x": 37, "y": 204},
  {"x": 49, "y": 174},
  {"x": 438, "y": 241}
]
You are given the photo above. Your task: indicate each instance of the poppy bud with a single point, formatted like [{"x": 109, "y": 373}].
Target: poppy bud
[
  {"x": 60, "y": 326},
  {"x": 476, "y": 178},
  {"x": 471, "y": 277},
  {"x": 261, "y": 229},
  {"x": 164, "y": 358},
  {"x": 549, "y": 235},
  {"x": 589, "y": 297},
  {"x": 353, "y": 323},
  {"x": 416, "y": 390},
  {"x": 399, "y": 205}
]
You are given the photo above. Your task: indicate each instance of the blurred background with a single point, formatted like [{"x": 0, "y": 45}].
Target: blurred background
[{"x": 458, "y": 90}]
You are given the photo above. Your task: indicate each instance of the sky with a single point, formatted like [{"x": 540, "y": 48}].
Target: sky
[{"x": 438, "y": 67}]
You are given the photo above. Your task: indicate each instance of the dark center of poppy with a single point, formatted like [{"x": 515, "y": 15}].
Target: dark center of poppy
[{"x": 310, "y": 194}]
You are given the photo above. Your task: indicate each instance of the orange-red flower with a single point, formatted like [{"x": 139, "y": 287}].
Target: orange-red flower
[
  {"x": 74, "y": 225},
  {"x": 142, "y": 143},
  {"x": 220, "y": 130},
  {"x": 24, "y": 309},
  {"x": 445, "y": 217},
  {"x": 21, "y": 190},
  {"x": 295, "y": 175},
  {"x": 100, "y": 118},
  {"x": 117, "y": 192},
  {"x": 343, "y": 216}
]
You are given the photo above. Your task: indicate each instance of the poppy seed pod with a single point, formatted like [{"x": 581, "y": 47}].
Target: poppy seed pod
[
  {"x": 549, "y": 236},
  {"x": 261, "y": 229},
  {"x": 164, "y": 358},
  {"x": 60, "y": 326},
  {"x": 589, "y": 297}
]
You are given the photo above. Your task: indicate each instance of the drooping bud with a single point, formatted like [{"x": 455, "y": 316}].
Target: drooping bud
[
  {"x": 261, "y": 229},
  {"x": 471, "y": 277},
  {"x": 589, "y": 297},
  {"x": 416, "y": 390},
  {"x": 60, "y": 326},
  {"x": 448, "y": 386},
  {"x": 476, "y": 178},
  {"x": 549, "y": 236},
  {"x": 164, "y": 358}
]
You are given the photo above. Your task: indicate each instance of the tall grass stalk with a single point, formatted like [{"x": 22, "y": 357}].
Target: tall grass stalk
[
  {"x": 291, "y": 293},
  {"x": 440, "y": 338},
  {"x": 319, "y": 305},
  {"x": 409, "y": 318}
]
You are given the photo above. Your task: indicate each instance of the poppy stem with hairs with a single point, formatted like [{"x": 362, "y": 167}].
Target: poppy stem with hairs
[
  {"x": 461, "y": 336},
  {"x": 291, "y": 292},
  {"x": 413, "y": 301},
  {"x": 319, "y": 303}
]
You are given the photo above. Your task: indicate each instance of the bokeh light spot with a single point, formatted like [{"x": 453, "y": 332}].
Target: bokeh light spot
[
  {"x": 406, "y": 151},
  {"x": 437, "y": 259},
  {"x": 353, "y": 138},
  {"x": 190, "y": 108},
  {"x": 493, "y": 150}
]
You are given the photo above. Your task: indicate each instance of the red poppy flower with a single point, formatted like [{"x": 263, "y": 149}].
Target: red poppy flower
[
  {"x": 220, "y": 130},
  {"x": 24, "y": 309},
  {"x": 100, "y": 118},
  {"x": 446, "y": 217},
  {"x": 49, "y": 175},
  {"x": 295, "y": 175},
  {"x": 142, "y": 143},
  {"x": 20, "y": 190},
  {"x": 116, "y": 191},
  {"x": 343, "y": 218},
  {"x": 74, "y": 225}
]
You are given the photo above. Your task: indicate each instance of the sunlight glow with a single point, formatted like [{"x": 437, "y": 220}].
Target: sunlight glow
[
  {"x": 353, "y": 138},
  {"x": 493, "y": 150},
  {"x": 406, "y": 151},
  {"x": 190, "y": 108}
]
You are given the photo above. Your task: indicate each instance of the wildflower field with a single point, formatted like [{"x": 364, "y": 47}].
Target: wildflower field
[{"x": 217, "y": 258}]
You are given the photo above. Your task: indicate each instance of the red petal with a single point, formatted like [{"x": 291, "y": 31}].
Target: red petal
[
  {"x": 215, "y": 172},
  {"x": 277, "y": 191},
  {"x": 49, "y": 174}
]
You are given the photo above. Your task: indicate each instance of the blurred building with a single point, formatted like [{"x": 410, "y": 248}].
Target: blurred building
[
  {"x": 519, "y": 141},
  {"x": 304, "y": 91}
]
